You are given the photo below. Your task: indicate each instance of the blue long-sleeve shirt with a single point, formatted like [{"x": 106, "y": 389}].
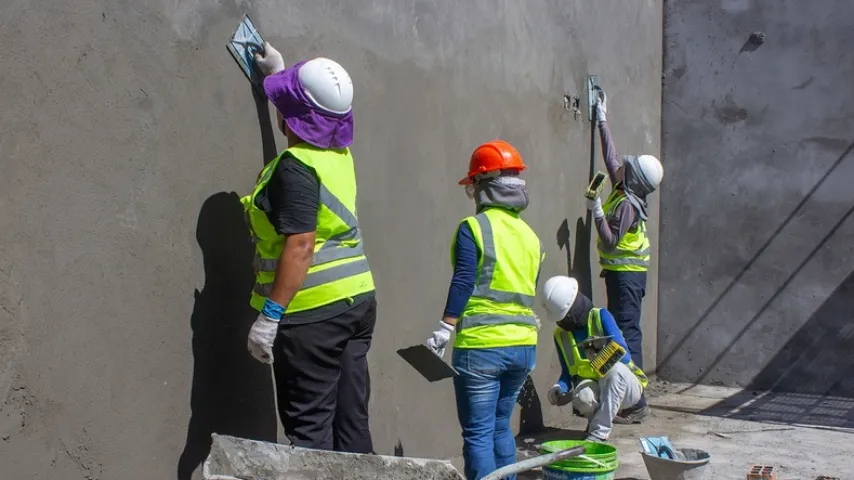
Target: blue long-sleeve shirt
[
  {"x": 609, "y": 328},
  {"x": 467, "y": 256},
  {"x": 465, "y": 272}
]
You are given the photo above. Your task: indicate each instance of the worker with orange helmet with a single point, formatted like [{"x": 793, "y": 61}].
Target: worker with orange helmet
[{"x": 497, "y": 259}]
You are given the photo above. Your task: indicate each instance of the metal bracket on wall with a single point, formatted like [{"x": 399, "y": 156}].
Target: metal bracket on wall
[{"x": 592, "y": 94}]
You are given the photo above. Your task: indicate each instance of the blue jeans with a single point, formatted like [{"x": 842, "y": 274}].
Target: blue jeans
[
  {"x": 486, "y": 388},
  {"x": 625, "y": 294}
]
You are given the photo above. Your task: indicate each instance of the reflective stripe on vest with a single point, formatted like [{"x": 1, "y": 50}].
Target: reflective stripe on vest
[
  {"x": 339, "y": 269},
  {"x": 632, "y": 252},
  {"x": 483, "y": 286},
  {"x": 331, "y": 250},
  {"x": 576, "y": 365}
]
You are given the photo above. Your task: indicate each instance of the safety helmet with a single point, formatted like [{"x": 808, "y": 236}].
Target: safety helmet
[
  {"x": 493, "y": 156},
  {"x": 559, "y": 293},
  {"x": 327, "y": 85},
  {"x": 651, "y": 170}
]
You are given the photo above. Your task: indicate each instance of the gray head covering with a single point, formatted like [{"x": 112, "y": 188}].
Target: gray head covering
[
  {"x": 635, "y": 185},
  {"x": 507, "y": 191}
]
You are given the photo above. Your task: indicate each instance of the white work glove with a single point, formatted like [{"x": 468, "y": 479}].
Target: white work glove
[
  {"x": 557, "y": 396},
  {"x": 261, "y": 338},
  {"x": 595, "y": 206},
  {"x": 271, "y": 62},
  {"x": 601, "y": 105},
  {"x": 440, "y": 338}
]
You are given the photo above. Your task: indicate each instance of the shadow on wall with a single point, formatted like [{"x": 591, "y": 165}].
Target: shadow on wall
[
  {"x": 676, "y": 350},
  {"x": 577, "y": 266},
  {"x": 232, "y": 393},
  {"x": 810, "y": 379}
]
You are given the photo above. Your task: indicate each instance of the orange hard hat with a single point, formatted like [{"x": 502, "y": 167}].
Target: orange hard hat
[{"x": 491, "y": 156}]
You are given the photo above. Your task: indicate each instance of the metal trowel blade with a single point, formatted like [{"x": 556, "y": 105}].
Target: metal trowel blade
[
  {"x": 427, "y": 363},
  {"x": 243, "y": 44}
]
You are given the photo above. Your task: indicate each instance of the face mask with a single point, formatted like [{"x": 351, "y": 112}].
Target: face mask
[
  {"x": 570, "y": 323},
  {"x": 576, "y": 318},
  {"x": 470, "y": 191}
]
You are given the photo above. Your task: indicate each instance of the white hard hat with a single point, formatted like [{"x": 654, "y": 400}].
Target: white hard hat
[
  {"x": 559, "y": 293},
  {"x": 651, "y": 169},
  {"x": 327, "y": 85}
]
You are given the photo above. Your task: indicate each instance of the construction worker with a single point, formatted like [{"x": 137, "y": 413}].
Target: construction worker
[
  {"x": 314, "y": 289},
  {"x": 624, "y": 252},
  {"x": 595, "y": 396},
  {"x": 496, "y": 258}
]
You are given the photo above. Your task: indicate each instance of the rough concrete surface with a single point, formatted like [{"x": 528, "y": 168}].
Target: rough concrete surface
[
  {"x": 128, "y": 135},
  {"x": 757, "y": 282},
  {"x": 722, "y": 421},
  {"x": 234, "y": 458}
]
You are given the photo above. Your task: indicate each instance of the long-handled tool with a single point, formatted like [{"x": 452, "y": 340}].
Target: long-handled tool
[{"x": 536, "y": 462}]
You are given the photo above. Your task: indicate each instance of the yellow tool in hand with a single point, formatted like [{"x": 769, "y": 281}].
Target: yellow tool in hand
[
  {"x": 603, "y": 353},
  {"x": 595, "y": 185}
]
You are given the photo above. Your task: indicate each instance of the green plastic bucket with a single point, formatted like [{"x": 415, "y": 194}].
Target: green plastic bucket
[{"x": 577, "y": 468}]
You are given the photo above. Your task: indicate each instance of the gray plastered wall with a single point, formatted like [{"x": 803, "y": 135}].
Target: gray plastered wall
[
  {"x": 129, "y": 135},
  {"x": 757, "y": 260}
]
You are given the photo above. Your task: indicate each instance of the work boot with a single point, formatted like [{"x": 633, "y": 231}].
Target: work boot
[{"x": 632, "y": 415}]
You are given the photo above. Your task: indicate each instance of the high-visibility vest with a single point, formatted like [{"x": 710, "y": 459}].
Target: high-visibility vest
[
  {"x": 631, "y": 253},
  {"x": 577, "y": 364},
  {"x": 499, "y": 311},
  {"x": 340, "y": 269}
]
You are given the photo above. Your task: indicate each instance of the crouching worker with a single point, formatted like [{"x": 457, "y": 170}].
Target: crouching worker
[{"x": 596, "y": 390}]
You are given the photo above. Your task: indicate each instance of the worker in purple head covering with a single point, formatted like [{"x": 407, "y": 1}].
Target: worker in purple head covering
[{"x": 313, "y": 286}]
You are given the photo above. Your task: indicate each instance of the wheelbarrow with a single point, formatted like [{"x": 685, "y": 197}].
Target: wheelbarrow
[{"x": 233, "y": 458}]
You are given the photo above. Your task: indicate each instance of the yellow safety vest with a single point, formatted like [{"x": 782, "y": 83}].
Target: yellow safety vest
[
  {"x": 631, "y": 253},
  {"x": 340, "y": 269},
  {"x": 499, "y": 312},
  {"x": 574, "y": 358}
]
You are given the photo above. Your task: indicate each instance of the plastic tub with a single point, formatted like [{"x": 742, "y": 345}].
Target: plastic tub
[
  {"x": 580, "y": 468},
  {"x": 690, "y": 464}
]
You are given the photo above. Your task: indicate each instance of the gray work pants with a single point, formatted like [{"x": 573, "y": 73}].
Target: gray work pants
[{"x": 600, "y": 400}]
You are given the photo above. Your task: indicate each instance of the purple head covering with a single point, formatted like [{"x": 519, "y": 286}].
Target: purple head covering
[{"x": 318, "y": 127}]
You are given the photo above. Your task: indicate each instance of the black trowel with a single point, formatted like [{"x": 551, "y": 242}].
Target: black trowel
[{"x": 427, "y": 363}]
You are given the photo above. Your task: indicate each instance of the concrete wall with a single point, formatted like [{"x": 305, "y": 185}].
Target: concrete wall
[
  {"x": 127, "y": 130},
  {"x": 757, "y": 258}
]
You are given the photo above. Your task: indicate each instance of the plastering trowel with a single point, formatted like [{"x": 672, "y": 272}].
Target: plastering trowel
[
  {"x": 427, "y": 363},
  {"x": 243, "y": 45}
]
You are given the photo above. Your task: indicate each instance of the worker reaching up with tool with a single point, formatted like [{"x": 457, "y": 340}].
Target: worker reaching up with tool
[
  {"x": 598, "y": 375},
  {"x": 314, "y": 289},
  {"x": 496, "y": 258},
  {"x": 624, "y": 250}
]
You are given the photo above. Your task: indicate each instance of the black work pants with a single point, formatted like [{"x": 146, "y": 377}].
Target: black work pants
[
  {"x": 625, "y": 293},
  {"x": 322, "y": 382}
]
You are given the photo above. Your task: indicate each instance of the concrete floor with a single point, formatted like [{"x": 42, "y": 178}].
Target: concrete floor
[{"x": 738, "y": 428}]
